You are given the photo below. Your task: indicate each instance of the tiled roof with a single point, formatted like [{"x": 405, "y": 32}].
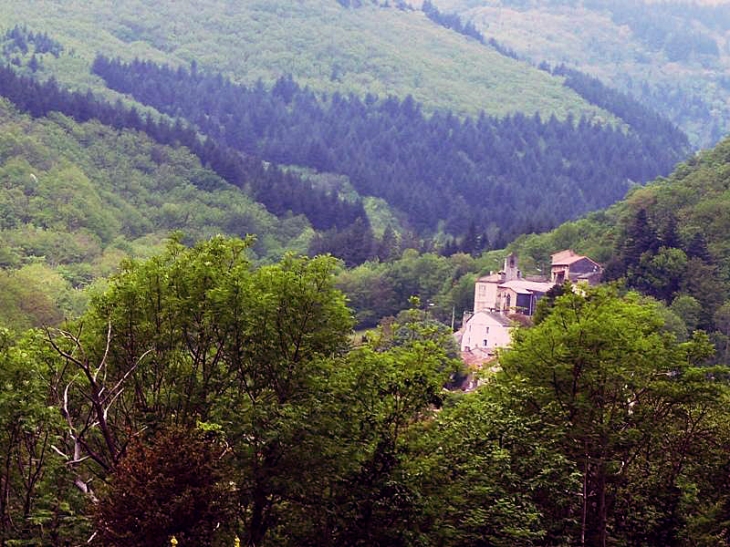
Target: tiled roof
[{"x": 566, "y": 258}]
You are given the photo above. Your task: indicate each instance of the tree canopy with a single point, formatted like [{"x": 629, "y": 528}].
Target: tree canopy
[{"x": 204, "y": 397}]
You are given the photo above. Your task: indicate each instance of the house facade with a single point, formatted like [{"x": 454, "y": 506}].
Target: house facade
[
  {"x": 500, "y": 296},
  {"x": 486, "y": 331},
  {"x": 507, "y": 291},
  {"x": 570, "y": 266},
  {"x": 486, "y": 288},
  {"x": 521, "y": 295}
]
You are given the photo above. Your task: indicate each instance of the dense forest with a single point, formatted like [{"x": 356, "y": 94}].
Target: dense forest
[
  {"x": 440, "y": 171},
  {"x": 160, "y": 381},
  {"x": 670, "y": 56},
  {"x": 279, "y": 191},
  {"x": 323, "y": 45},
  {"x": 667, "y": 240},
  {"x": 202, "y": 398}
]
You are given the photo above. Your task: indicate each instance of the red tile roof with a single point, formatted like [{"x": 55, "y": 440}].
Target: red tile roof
[{"x": 566, "y": 258}]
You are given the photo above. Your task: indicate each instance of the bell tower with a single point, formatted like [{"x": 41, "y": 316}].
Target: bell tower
[{"x": 511, "y": 270}]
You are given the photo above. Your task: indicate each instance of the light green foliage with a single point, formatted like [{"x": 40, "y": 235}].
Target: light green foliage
[
  {"x": 498, "y": 473},
  {"x": 380, "y": 214},
  {"x": 323, "y": 45},
  {"x": 318, "y": 433},
  {"x": 38, "y": 499},
  {"x": 382, "y": 392},
  {"x": 592, "y": 236},
  {"x": 90, "y": 180},
  {"x": 722, "y": 321},
  {"x": 443, "y": 285},
  {"x": 36, "y": 295},
  {"x": 203, "y": 337},
  {"x": 602, "y": 370},
  {"x": 369, "y": 293},
  {"x": 633, "y": 48},
  {"x": 673, "y": 322},
  {"x": 688, "y": 309},
  {"x": 77, "y": 198},
  {"x": 662, "y": 274}
]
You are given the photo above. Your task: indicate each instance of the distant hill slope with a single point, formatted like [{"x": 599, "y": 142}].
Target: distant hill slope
[
  {"x": 516, "y": 174},
  {"x": 669, "y": 239},
  {"x": 319, "y": 42},
  {"x": 672, "y": 55},
  {"x": 455, "y": 178},
  {"x": 76, "y": 198}
]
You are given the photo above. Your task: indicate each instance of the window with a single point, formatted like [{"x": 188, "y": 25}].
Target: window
[{"x": 485, "y": 343}]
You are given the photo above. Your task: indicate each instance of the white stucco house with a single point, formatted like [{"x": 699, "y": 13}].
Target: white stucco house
[
  {"x": 500, "y": 297},
  {"x": 486, "y": 331}
]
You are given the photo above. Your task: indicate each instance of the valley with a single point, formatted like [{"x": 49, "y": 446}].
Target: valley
[{"x": 237, "y": 239}]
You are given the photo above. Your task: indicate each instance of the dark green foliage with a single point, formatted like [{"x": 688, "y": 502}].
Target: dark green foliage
[
  {"x": 451, "y": 21},
  {"x": 483, "y": 171},
  {"x": 279, "y": 191},
  {"x": 547, "y": 302},
  {"x": 354, "y": 245},
  {"x": 655, "y": 128},
  {"x": 19, "y": 39}
]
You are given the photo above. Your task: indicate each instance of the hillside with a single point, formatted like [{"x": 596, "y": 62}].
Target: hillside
[
  {"x": 671, "y": 55},
  {"x": 668, "y": 239},
  {"x": 441, "y": 174},
  {"x": 322, "y": 44},
  {"x": 77, "y": 198}
]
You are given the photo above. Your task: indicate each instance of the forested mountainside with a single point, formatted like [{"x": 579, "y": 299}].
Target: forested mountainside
[
  {"x": 320, "y": 43},
  {"x": 359, "y": 175},
  {"x": 77, "y": 198},
  {"x": 671, "y": 55},
  {"x": 442, "y": 176},
  {"x": 668, "y": 240},
  {"x": 516, "y": 174},
  {"x": 167, "y": 379}
]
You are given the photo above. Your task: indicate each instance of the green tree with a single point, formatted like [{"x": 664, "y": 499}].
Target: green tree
[
  {"x": 486, "y": 473},
  {"x": 689, "y": 309},
  {"x": 197, "y": 335},
  {"x": 722, "y": 322},
  {"x": 661, "y": 274},
  {"x": 601, "y": 369},
  {"x": 37, "y": 501}
]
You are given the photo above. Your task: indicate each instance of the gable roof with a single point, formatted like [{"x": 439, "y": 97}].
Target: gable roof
[{"x": 568, "y": 257}]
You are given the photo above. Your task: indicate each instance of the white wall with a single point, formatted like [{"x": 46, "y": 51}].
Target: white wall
[{"x": 484, "y": 327}]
